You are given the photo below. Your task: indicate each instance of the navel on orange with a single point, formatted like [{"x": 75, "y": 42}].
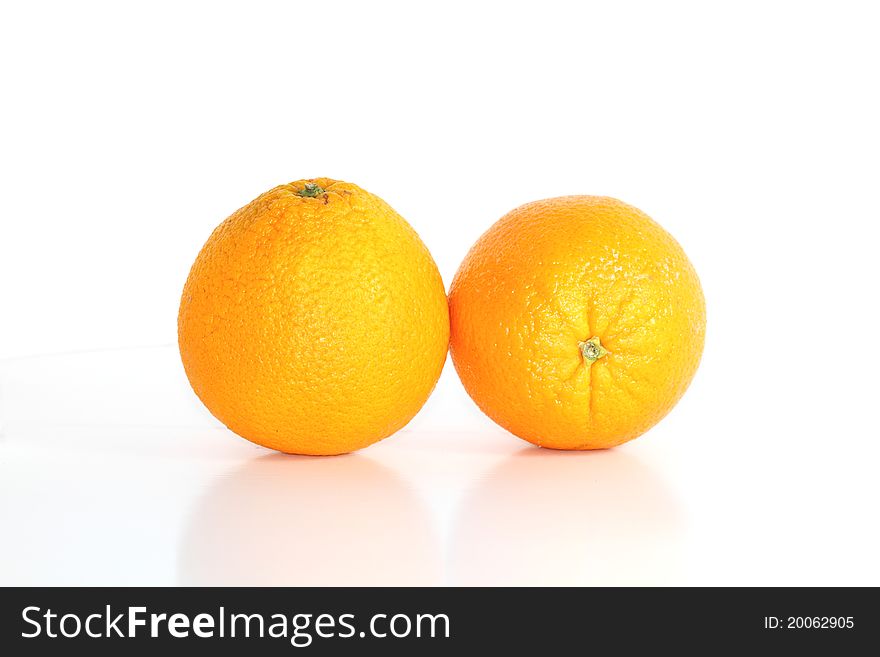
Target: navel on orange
[
  {"x": 314, "y": 320},
  {"x": 576, "y": 322}
]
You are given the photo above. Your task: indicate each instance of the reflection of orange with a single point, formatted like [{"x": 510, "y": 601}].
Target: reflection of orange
[
  {"x": 545, "y": 518},
  {"x": 291, "y": 521},
  {"x": 314, "y": 320},
  {"x": 577, "y": 322}
]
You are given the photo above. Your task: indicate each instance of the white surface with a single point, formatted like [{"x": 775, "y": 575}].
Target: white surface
[
  {"x": 749, "y": 132},
  {"x": 111, "y": 472}
]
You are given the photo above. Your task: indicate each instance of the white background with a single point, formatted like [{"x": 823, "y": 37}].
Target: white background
[{"x": 749, "y": 132}]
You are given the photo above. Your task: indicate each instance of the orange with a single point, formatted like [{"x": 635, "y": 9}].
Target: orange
[
  {"x": 314, "y": 320},
  {"x": 576, "y": 322}
]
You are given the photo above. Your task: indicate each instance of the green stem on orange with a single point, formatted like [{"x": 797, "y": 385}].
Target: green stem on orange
[
  {"x": 592, "y": 350},
  {"x": 310, "y": 190}
]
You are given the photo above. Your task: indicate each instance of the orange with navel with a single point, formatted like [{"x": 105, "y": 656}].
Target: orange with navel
[
  {"x": 576, "y": 322},
  {"x": 314, "y": 320}
]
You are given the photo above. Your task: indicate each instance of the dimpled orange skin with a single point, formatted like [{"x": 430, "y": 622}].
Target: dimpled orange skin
[
  {"x": 546, "y": 279},
  {"x": 314, "y": 325}
]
